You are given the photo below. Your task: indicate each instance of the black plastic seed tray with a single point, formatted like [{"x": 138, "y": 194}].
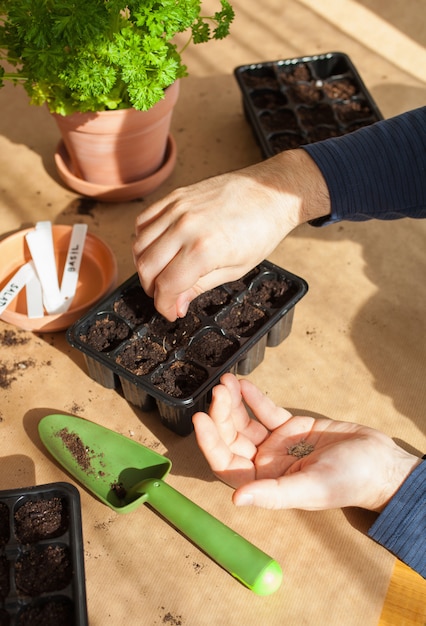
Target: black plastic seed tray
[
  {"x": 41, "y": 557},
  {"x": 294, "y": 102},
  {"x": 174, "y": 365}
]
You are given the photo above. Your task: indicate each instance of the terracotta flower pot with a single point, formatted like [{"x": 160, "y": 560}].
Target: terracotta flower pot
[{"x": 118, "y": 148}]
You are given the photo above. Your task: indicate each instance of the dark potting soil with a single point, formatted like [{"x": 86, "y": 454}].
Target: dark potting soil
[
  {"x": 175, "y": 334},
  {"x": 293, "y": 73},
  {"x": 286, "y": 141},
  {"x": 242, "y": 320},
  {"x": 140, "y": 356},
  {"x": 313, "y": 116},
  {"x": 43, "y": 570},
  {"x": 50, "y": 613},
  {"x": 322, "y": 132},
  {"x": 4, "y": 524},
  {"x": 268, "y": 99},
  {"x": 264, "y": 79},
  {"x": 212, "y": 349},
  {"x": 181, "y": 379},
  {"x": 279, "y": 120},
  {"x": 348, "y": 112},
  {"x": 341, "y": 89},
  {"x": 106, "y": 334},
  {"x": 210, "y": 302},
  {"x": 307, "y": 93},
  {"x": 242, "y": 283},
  {"x": 41, "y": 519},
  {"x": 269, "y": 293},
  {"x": 135, "y": 306}
]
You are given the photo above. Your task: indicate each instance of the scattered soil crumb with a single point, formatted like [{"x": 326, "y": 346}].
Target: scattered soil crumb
[
  {"x": 104, "y": 525},
  {"x": 76, "y": 408},
  {"x": 154, "y": 445},
  {"x": 82, "y": 206},
  {"x": 7, "y": 374},
  {"x": 119, "y": 490},
  {"x": 197, "y": 567},
  {"x": 12, "y": 338},
  {"x": 175, "y": 620}
]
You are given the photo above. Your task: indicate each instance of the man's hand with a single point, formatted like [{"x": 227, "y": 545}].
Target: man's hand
[
  {"x": 216, "y": 230},
  {"x": 281, "y": 461}
]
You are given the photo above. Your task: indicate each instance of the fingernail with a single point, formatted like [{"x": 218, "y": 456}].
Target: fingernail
[
  {"x": 245, "y": 500},
  {"x": 182, "y": 309}
]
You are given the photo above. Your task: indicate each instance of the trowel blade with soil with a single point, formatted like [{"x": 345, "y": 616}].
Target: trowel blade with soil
[{"x": 123, "y": 474}]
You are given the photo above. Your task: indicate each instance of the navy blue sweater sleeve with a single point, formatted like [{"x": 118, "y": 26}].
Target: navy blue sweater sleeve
[
  {"x": 378, "y": 171},
  {"x": 401, "y": 527}
]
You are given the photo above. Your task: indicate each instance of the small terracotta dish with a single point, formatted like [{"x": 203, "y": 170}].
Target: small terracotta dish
[
  {"x": 115, "y": 193},
  {"x": 97, "y": 277}
]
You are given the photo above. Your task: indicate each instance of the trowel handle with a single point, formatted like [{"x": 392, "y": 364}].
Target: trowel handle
[{"x": 252, "y": 567}]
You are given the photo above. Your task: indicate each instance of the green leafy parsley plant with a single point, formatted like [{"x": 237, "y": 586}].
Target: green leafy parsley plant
[{"x": 95, "y": 55}]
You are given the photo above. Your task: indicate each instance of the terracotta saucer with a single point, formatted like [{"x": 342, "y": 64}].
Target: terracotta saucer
[
  {"x": 97, "y": 277},
  {"x": 121, "y": 193}
]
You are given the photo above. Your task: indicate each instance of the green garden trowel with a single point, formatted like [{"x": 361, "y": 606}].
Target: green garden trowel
[{"x": 123, "y": 474}]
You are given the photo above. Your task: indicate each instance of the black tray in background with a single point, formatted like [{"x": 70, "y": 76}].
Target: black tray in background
[
  {"x": 294, "y": 102},
  {"x": 72, "y": 597}
]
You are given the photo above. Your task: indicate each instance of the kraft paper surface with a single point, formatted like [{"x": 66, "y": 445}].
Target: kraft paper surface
[{"x": 356, "y": 350}]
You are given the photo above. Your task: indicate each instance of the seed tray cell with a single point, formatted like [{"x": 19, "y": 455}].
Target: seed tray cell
[
  {"x": 42, "y": 577},
  {"x": 172, "y": 366},
  {"x": 294, "y": 102}
]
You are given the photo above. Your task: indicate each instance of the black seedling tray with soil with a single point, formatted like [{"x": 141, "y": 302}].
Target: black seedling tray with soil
[
  {"x": 174, "y": 365},
  {"x": 294, "y": 102},
  {"x": 42, "y": 578}
]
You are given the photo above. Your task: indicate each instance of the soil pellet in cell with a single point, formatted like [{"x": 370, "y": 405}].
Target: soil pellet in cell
[
  {"x": 180, "y": 380},
  {"x": 243, "y": 320},
  {"x": 41, "y": 519},
  {"x": 141, "y": 356},
  {"x": 106, "y": 333},
  {"x": 340, "y": 89},
  {"x": 210, "y": 302},
  {"x": 51, "y": 613},
  {"x": 313, "y": 116},
  {"x": 43, "y": 570},
  {"x": 269, "y": 293},
  {"x": 286, "y": 141},
  {"x": 351, "y": 111},
  {"x": 263, "y": 79},
  {"x": 294, "y": 73},
  {"x": 306, "y": 93},
  {"x": 269, "y": 99},
  {"x": 279, "y": 121},
  {"x": 178, "y": 333},
  {"x": 135, "y": 306},
  {"x": 211, "y": 349}
]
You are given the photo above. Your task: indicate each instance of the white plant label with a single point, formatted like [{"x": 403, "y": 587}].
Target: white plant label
[
  {"x": 40, "y": 243},
  {"x": 34, "y": 298},
  {"x": 72, "y": 264},
  {"x": 15, "y": 284}
]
